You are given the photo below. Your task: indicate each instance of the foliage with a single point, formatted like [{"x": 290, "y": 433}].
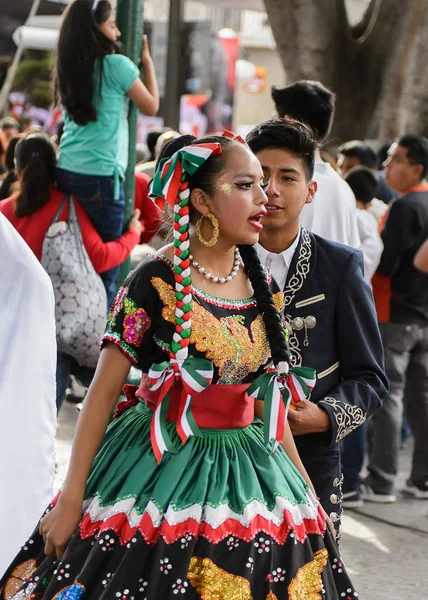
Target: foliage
[{"x": 33, "y": 78}]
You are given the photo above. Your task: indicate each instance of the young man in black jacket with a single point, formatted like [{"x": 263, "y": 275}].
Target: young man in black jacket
[
  {"x": 328, "y": 306},
  {"x": 401, "y": 293}
]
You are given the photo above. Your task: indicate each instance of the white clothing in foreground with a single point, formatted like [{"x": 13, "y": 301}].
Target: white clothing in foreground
[
  {"x": 27, "y": 391},
  {"x": 332, "y": 213},
  {"x": 278, "y": 264},
  {"x": 371, "y": 243}
]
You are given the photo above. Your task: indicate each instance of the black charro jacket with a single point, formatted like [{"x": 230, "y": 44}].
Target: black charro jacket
[
  {"x": 326, "y": 281},
  {"x": 333, "y": 328}
]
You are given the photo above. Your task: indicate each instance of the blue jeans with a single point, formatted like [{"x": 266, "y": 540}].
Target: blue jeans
[
  {"x": 406, "y": 365},
  {"x": 96, "y": 195}
]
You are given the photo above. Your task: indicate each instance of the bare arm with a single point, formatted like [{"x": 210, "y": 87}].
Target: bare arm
[
  {"x": 146, "y": 97},
  {"x": 58, "y": 526},
  {"x": 421, "y": 258},
  {"x": 112, "y": 371},
  {"x": 289, "y": 447},
  {"x": 291, "y": 451}
]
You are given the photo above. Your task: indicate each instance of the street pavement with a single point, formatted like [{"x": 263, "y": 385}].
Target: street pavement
[{"x": 385, "y": 547}]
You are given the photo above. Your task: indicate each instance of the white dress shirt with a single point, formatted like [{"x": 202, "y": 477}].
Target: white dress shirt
[
  {"x": 278, "y": 264},
  {"x": 332, "y": 212},
  {"x": 371, "y": 242}
]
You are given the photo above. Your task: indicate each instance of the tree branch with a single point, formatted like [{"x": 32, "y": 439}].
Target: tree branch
[{"x": 360, "y": 28}]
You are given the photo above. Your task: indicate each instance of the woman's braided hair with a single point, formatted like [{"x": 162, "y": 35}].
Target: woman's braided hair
[
  {"x": 205, "y": 179},
  {"x": 271, "y": 317}
]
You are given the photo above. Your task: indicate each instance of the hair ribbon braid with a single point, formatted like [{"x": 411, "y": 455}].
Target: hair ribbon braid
[
  {"x": 170, "y": 186},
  {"x": 170, "y": 173}
]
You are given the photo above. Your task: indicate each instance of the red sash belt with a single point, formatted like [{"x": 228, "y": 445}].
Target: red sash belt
[
  {"x": 216, "y": 407},
  {"x": 192, "y": 402}
]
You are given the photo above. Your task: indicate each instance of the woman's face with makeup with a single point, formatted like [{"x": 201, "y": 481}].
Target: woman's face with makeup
[{"x": 239, "y": 200}]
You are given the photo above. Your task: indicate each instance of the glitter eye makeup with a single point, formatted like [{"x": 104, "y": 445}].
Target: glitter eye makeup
[
  {"x": 223, "y": 183},
  {"x": 225, "y": 187}
]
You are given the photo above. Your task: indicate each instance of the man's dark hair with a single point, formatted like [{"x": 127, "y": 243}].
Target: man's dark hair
[
  {"x": 309, "y": 102},
  {"x": 417, "y": 150},
  {"x": 363, "y": 182},
  {"x": 291, "y": 136},
  {"x": 357, "y": 149}
]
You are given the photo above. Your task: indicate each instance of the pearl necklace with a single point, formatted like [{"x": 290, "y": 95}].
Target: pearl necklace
[{"x": 202, "y": 270}]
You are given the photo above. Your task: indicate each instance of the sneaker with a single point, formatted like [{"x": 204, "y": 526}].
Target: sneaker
[
  {"x": 368, "y": 494},
  {"x": 417, "y": 490},
  {"x": 352, "y": 499}
]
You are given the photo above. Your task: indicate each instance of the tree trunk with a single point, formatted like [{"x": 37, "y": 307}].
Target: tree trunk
[
  {"x": 371, "y": 67},
  {"x": 413, "y": 116}
]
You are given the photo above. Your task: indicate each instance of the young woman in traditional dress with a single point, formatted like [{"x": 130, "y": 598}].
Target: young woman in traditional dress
[{"x": 196, "y": 489}]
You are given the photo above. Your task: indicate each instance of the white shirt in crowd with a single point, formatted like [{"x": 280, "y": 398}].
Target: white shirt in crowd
[
  {"x": 332, "y": 213},
  {"x": 27, "y": 391},
  {"x": 278, "y": 264},
  {"x": 377, "y": 208},
  {"x": 371, "y": 243}
]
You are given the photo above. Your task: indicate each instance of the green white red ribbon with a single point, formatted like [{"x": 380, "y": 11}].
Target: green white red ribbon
[
  {"x": 277, "y": 395},
  {"x": 229, "y": 134},
  {"x": 165, "y": 184},
  {"x": 196, "y": 374}
]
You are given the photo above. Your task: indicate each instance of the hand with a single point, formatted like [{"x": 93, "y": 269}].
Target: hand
[
  {"x": 59, "y": 525},
  {"x": 330, "y": 525},
  {"x": 307, "y": 417},
  {"x": 135, "y": 223},
  {"x": 145, "y": 53}
]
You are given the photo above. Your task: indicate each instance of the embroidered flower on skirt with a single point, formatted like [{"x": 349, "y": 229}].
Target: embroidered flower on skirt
[
  {"x": 180, "y": 587},
  {"x": 135, "y": 323}
]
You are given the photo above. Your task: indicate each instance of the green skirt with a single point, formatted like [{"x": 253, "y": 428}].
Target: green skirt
[{"x": 218, "y": 519}]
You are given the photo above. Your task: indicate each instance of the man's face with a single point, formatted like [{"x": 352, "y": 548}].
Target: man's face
[
  {"x": 346, "y": 163},
  {"x": 400, "y": 173},
  {"x": 287, "y": 189}
]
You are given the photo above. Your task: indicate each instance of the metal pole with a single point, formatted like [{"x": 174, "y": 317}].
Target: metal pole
[
  {"x": 130, "y": 22},
  {"x": 172, "y": 91}
]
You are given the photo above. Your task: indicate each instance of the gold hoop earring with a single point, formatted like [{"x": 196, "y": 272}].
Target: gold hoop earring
[{"x": 214, "y": 223}]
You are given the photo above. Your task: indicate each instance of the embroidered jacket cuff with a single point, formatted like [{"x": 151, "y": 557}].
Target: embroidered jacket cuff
[{"x": 344, "y": 417}]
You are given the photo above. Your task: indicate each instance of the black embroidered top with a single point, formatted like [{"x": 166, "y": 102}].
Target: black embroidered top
[{"x": 229, "y": 333}]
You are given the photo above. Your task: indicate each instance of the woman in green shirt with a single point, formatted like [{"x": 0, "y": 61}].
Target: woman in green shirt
[{"x": 93, "y": 83}]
